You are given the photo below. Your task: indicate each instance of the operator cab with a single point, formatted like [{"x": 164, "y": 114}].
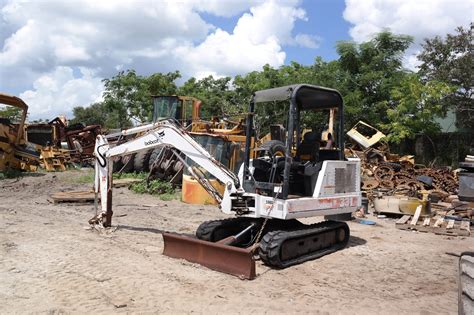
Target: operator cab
[
  {"x": 310, "y": 131},
  {"x": 183, "y": 109}
]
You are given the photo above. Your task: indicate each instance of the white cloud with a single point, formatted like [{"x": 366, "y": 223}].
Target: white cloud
[
  {"x": 44, "y": 40},
  {"x": 308, "y": 41},
  {"x": 58, "y": 92},
  {"x": 421, "y": 18},
  {"x": 256, "y": 40},
  {"x": 225, "y": 8}
]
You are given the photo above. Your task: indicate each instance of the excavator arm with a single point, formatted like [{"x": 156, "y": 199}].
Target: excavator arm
[{"x": 166, "y": 133}]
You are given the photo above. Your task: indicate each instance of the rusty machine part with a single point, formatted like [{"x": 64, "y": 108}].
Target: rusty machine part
[
  {"x": 80, "y": 139},
  {"x": 370, "y": 184},
  {"x": 384, "y": 173},
  {"x": 15, "y": 152}
]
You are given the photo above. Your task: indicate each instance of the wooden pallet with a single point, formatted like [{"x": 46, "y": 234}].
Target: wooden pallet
[
  {"x": 436, "y": 225},
  {"x": 72, "y": 196}
]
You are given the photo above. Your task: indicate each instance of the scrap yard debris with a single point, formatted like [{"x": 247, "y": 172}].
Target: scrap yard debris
[{"x": 394, "y": 184}]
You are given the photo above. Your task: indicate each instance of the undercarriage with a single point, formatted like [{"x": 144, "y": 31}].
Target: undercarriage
[{"x": 283, "y": 243}]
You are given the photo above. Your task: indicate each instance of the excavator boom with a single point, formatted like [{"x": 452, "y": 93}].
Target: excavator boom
[{"x": 162, "y": 133}]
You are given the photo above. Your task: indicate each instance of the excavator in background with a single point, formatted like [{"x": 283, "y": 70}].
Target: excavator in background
[{"x": 269, "y": 194}]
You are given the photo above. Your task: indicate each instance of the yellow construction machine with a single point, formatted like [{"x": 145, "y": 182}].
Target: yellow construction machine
[
  {"x": 29, "y": 146},
  {"x": 14, "y": 150}
]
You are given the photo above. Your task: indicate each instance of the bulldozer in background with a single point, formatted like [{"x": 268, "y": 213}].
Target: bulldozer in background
[{"x": 15, "y": 153}]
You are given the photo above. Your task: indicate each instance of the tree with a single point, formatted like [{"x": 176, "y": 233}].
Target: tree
[
  {"x": 99, "y": 114},
  {"x": 130, "y": 95},
  {"x": 10, "y": 112},
  {"x": 416, "y": 105},
  {"x": 217, "y": 97},
  {"x": 371, "y": 69},
  {"x": 450, "y": 60}
]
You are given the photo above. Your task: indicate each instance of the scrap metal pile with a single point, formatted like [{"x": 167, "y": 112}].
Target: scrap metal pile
[
  {"x": 396, "y": 185},
  {"x": 396, "y": 174},
  {"x": 406, "y": 178}
]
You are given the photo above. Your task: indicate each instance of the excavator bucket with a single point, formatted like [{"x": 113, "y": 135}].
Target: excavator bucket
[{"x": 216, "y": 256}]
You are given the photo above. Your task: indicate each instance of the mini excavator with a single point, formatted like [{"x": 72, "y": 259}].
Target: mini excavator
[{"x": 301, "y": 176}]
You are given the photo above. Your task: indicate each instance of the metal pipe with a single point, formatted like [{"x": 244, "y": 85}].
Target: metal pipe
[
  {"x": 341, "y": 131},
  {"x": 289, "y": 143},
  {"x": 248, "y": 135}
]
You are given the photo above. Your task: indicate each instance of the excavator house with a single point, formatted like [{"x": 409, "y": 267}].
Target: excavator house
[{"x": 300, "y": 175}]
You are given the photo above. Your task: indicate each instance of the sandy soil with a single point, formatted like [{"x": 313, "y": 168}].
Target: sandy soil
[{"x": 50, "y": 262}]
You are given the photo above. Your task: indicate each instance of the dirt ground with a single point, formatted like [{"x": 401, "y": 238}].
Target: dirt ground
[{"x": 51, "y": 262}]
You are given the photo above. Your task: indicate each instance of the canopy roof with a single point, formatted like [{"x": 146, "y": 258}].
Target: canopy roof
[{"x": 307, "y": 96}]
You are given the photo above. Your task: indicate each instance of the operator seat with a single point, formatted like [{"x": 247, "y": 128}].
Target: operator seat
[
  {"x": 305, "y": 169},
  {"x": 308, "y": 149}
]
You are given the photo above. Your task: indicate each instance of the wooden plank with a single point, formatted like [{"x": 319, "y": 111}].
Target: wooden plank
[
  {"x": 438, "y": 222},
  {"x": 403, "y": 219},
  {"x": 427, "y": 222},
  {"x": 416, "y": 216},
  {"x": 450, "y": 224},
  {"x": 465, "y": 225},
  {"x": 72, "y": 196}
]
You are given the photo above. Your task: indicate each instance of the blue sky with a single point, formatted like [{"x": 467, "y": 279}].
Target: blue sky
[
  {"x": 55, "y": 53},
  {"x": 325, "y": 18}
]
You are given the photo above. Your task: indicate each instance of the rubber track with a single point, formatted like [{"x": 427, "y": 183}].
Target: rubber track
[{"x": 271, "y": 243}]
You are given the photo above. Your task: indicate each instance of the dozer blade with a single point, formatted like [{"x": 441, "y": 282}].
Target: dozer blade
[{"x": 216, "y": 256}]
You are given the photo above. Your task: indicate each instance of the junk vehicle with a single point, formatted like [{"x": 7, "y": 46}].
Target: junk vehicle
[
  {"x": 15, "y": 152},
  {"x": 269, "y": 193}
]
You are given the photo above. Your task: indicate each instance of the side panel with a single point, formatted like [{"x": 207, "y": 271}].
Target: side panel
[
  {"x": 338, "y": 178},
  {"x": 311, "y": 207},
  {"x": 337, "y": 191}
]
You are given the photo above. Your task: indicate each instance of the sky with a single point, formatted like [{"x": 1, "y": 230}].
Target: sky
[{"x": 55, "y": 53}]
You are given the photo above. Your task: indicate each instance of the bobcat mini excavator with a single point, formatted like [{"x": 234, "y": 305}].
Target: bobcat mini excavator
[{"x": 311, "y": 178}]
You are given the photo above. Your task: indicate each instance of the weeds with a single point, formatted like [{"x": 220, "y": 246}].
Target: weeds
[
  {"x": 10, "y": 173},
  {"x": 163, "y": 189}
]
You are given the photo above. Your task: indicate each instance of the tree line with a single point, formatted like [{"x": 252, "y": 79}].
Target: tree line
[{"x": 370, "y": 76}]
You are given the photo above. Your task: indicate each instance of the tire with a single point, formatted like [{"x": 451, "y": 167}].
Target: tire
[
  {"x": 274, "y": 147},
  {"x": 128, "y": 164},
  {"x": 155, "y": 153},
  {"x": 141, "y": 161},
  {"x": 117, "y": 166}
]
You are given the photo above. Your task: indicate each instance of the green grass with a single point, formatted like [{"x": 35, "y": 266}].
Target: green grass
[
  {"x": 164, "y": 190},
  {"x": 87, "y": 177}
]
